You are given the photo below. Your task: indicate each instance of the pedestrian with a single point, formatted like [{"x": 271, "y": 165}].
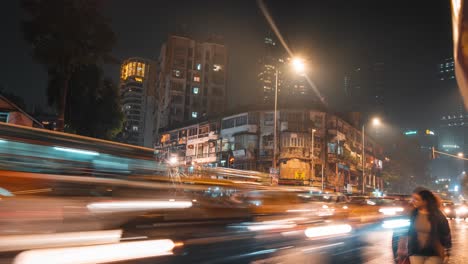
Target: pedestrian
[{"x": 429, "y": 239}]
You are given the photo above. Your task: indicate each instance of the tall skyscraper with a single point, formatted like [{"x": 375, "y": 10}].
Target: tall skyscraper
[
  {"x": 364, "y": 88},
  {"x": 446, "y": 70},
  {"x": 453, "y": 125},
  {"x": 192, "y": 78},
  {"x": 452, "y": 102},
  {"x": 268, "y": 64},
  {"x": 137, "y": 89},
  {"x": 293, "y": 89}
]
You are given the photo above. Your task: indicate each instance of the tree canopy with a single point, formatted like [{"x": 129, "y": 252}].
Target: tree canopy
[{"x": 64, "y": 35}]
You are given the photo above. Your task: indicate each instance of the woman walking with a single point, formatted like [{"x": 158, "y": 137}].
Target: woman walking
[{"x": 429, "y": 239}]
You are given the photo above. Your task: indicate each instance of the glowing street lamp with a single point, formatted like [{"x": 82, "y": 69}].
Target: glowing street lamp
[
  {"x": 460, "y": 154},
  {"x": 376, "y": 121},
  {"x": 173, "y": 160},
  {"x": 298, "y": 65}
]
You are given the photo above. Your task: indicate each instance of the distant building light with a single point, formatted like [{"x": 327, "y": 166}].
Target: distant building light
[
  {"x": 217, "y": 67},
  {"x": 194, "y": 114},
  {"x": 199, "y": 66},
  {"x": 195, "y": 90},
  {"x": 451, "y": 146},
  {"x": 138, "y": 79},
  {"x": 411, "y": 132},
  {"x": 429, "y": 132},
  {"x": 135, "y": 128}
]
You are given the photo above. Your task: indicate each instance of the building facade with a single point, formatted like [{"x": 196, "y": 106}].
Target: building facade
[
  {"x": 137, "y": 90},
  {"x": 310, "y": 144},
  {"x": 12, "y": 114},
  {"x": 191, "y": 80}
]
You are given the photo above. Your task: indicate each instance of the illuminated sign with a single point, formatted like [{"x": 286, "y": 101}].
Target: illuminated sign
[
  {"x": 429, "y": 132},
  {"x": 411, "y": 132},
  {"x": 299, "y": 175},
  {"x": 451, "y": 146}
]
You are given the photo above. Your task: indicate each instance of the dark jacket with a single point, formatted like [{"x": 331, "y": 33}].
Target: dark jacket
[{"x": 440, "y": 237}]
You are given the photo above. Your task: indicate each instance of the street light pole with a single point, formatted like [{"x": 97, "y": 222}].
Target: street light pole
[
  {"x": 375, "y": 122},
  {"x": 363, "y": 160},
  {"x": 312, "y": 155},
  {"x": 275, "y": 120}
]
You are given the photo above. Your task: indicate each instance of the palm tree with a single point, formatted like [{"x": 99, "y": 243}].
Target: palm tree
[{"x": 64, "y": 35}]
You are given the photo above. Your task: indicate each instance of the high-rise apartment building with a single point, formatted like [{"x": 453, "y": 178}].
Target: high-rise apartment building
[
  {"x": 137, "y": 89},
  {"x": 268, "y": 64},
  {"x": 293, "y": 89},
  {"x": 364, "y": 88},
  {"x": 446, "y": 70},
  {"x": 192, "y": 79}
]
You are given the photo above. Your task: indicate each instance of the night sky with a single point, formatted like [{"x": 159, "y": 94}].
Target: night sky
[{"x": 410, "y": 37}]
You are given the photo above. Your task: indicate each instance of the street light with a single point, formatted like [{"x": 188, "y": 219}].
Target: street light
[
  {"x": 312, "y": 148},
  {"x": 460, "y": 154},
  {"x": 172, "y": 160},
  {"x": 375, "y": 122},
  {"x": 299, "y": 66}
]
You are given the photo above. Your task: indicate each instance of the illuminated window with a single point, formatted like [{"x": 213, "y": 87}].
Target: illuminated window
[
  {"x": 194, "y": 114},
  {"x": 199, "y": 66},
  {"x": 135, "y": 128},
  {"x": 138, "y": 79},
  {"x": 177, "y": 73},
  {"x": 143, "y": 70},
  {"x": 217, "y": 67},
  {"x": 196, "y": 78},
  {"x": 195, "y": 90}
]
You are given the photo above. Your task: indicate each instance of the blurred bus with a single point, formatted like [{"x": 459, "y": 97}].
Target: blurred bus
[{"x": 43, "y": 151}]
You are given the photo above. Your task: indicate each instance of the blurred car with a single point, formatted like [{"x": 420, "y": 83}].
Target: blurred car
[
  {"x": 295, "y": 201},
  {"x": 449, "y": 209},
  {"x": 378, "y": 206},
  {"x": 461, "y": 211}
]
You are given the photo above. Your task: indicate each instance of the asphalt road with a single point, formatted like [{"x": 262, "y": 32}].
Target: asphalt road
[{"x": 379, "y": 243}]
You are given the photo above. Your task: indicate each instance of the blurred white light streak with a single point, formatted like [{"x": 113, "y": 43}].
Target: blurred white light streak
[
  {"x": 270, "y": 227},
  {"x": 36, "y": 241},
  {"x": 97, "y": 254},
  {"x": 327, "y": 230},
  {"x": 396, "y": 223},
  {"x": 79, "y": 151},
  {"x": 390, "y": 210},
  {"x": 298, "y": 210},
  {"x": 137, "y": 205}
]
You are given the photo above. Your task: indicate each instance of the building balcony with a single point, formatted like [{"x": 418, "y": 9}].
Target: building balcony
[{"x": 203, "y": 158}]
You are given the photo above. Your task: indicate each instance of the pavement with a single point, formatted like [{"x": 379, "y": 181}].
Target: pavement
[{"x": 378, "y": 250}]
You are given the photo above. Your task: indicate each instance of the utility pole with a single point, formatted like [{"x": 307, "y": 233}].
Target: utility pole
[
  {"x": 363, "y": 161},
  {"x": 312, "y": 156},
  {"x": 275, "y": 126}
]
